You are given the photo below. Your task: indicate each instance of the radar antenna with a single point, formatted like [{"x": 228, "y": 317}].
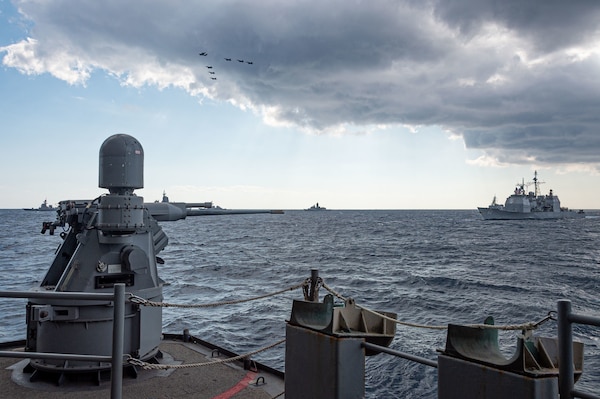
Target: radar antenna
[{"x": 536, "y": 183}]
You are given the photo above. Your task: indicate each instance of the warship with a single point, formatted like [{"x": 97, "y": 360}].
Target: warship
[
  {"x": 43, "y": 207},
  {"x": 316, "y": 207},
  {"x": 97, "y": 316},
  {"x": 528, "y": 205}
]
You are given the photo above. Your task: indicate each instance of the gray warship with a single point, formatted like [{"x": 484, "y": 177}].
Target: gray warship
[
  {"x": 528, "y": 205},
  {"x": 43, "y": 207},
  {"x": 316, "y": 207}
]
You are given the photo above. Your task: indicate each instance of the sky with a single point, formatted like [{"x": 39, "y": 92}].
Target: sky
[{"x": 400, "y": 104}]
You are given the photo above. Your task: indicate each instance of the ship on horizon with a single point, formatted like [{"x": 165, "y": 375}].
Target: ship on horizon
[
  {"x": 316, "y": 207},
  {"x": 528, "y": 205},
  {"x": 43, "y": 207}
]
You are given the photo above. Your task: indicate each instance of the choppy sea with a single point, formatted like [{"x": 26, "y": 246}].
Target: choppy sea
[{"x": 430, "y": 267}]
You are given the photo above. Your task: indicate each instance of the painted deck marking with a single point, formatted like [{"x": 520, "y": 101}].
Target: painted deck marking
[{"x": 237, "y": 387}]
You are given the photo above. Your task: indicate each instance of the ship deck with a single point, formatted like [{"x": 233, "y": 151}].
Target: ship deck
[{"x": 224, "y": 380}]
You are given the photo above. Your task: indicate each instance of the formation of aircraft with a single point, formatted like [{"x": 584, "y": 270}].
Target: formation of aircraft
[{"x": 210, "y": 67}]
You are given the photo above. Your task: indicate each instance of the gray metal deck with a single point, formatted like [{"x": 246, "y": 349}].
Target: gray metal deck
[{"x": 229, "y": 380}]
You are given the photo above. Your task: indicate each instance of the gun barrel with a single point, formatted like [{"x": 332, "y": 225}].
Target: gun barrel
[
  {"x": 199, "y": 205},
  {"x": 160, "y": 211},
  {"x": 215, "y": 211},
  {"x": 171, "y": 211}
]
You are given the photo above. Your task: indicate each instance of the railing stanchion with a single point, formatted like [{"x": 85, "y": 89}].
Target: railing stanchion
[
  {"x": 116, "y": 383},
  {"x": 312, "y": 292},
  {"x": 566, "y": 379}
]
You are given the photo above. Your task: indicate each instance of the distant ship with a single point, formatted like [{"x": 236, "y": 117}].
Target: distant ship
[
  {"x": 532, "y": 205},
  {"x": 316, "y": 207},
  {"x": 43, "y": 207}
]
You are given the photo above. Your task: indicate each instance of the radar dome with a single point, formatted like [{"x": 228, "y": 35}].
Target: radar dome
[{"x": 121, "y": 164}]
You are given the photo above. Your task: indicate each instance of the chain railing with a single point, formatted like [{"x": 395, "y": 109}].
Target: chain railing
[{"x": 310, "y": 286}]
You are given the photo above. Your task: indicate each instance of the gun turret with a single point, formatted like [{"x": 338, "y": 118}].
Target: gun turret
[
  {"x": 114, "y": 238},
  {"x": 111, "y": 239}
]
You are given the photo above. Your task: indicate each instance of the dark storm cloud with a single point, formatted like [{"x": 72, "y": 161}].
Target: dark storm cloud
[
  {"x": 549, "y": 25},
  {"x": 516, "y": 79}
]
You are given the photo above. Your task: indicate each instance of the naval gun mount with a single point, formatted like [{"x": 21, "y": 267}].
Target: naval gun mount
[{"x": 112, "y": 239}]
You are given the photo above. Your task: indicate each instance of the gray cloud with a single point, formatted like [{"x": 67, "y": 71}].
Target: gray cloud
[
  {"x": 516, "y": 79},
  {"x": 548, "y": 25}
]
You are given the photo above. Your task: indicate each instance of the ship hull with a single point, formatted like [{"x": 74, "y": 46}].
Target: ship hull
[{"x": 501, "y": 214}]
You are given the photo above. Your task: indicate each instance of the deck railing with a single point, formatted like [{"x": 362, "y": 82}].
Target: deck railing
[
  {"x": 566, "y": 379},
  {"x": 565, "y": 340},
  {"x": 116, "y": 359}
]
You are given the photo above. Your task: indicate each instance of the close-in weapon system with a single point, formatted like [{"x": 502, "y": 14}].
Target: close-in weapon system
[{"x": 113, "y": 239}]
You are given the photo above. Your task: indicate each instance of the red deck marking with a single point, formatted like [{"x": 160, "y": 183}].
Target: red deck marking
[{"x": 237, "y": 387}]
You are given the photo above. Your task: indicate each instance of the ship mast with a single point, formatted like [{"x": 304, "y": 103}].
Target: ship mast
[{"x": 536, "y": 184}]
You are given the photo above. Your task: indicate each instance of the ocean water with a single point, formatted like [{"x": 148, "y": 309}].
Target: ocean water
[{"x": 430, "y": 267}]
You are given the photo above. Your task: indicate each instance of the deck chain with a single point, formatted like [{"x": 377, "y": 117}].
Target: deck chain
[
  {"x": 142, "y": 301},
  {"x": 153, "y": 366},
  {"x": 320, "y": 283},
  {"x": 510, "y": 327}
]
